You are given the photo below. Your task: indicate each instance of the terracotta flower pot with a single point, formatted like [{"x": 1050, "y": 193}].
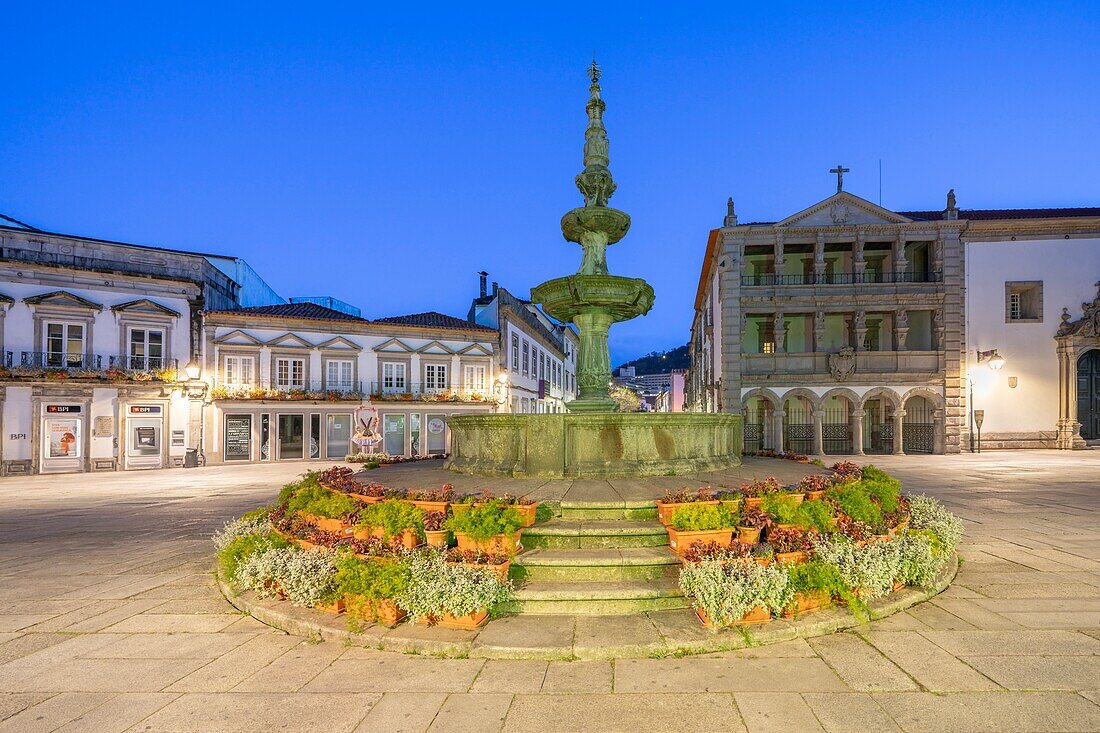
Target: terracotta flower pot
[
  {"x": 437, "y": 538},
  {"x": 898, "y": 585},
  {"x": 410, "y": 539},
  {"x": 664, "y": 511},
  {"x": 732, "y": 504},
  {"x": 336, "y": 606},
  {"x": 388, "y": 613},
  {"x": 748, "y": 535},
  {"x": 756, "y": 615},
  {"x": 786, "y": 527},
  {"x": 501, "y": 543},
  {"x": 765, "y": 561},
  {"x": 793, "y": 498},
  {"x": 339, "y": 526},
  {"x": 468, "y": 622},
  {"x": 457, "y": 509},
  {"x": 363, "y": 499},
  {"x": 501, "y": 570},
  {"x": 429, "y": 506},
  {"x": 681, "y": 541},
  {"x": 792, "y": 558},
  {"x": 815, "y": 494},
  {"x": 752, "y": 502},
  {"x": 807, "y": 603},
  {"x": 527, "y": 512}
]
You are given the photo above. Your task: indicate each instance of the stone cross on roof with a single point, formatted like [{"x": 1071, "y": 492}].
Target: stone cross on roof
[{"x": 840, "y": 171}]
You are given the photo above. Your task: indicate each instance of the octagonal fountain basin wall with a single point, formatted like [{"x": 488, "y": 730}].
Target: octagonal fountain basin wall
[{"x": 597, "y": 445}]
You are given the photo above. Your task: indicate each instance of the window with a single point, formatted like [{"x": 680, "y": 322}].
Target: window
[
  {"x": 338, "y": 375},
  {"x": 146, "y": 349},
  {"x": 515, "y": 353},
  {"x": 542, "y": 365},
  {"x": 393, "y": 376},
  {"x": 526, "y": 360},
  {"x": 435, "y": 377},
  {"x": 474, "y": 378},
  {"x": 64, "y": 345},
  {"x": 290, "y": 373},
  {"x": 239, "y": 371},
  {"x": 1024, "y": 302}
]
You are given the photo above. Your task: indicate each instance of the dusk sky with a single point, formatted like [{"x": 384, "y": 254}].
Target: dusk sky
[{"x": 384, "y": 156}]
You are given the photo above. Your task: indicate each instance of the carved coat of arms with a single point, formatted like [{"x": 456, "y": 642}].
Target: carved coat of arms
[
  {"x": 840, "y": 213},
  {"x": 843, "y": 363}
]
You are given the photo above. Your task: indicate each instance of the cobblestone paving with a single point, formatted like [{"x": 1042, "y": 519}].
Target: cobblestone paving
[{"x": 110, "y": 621}]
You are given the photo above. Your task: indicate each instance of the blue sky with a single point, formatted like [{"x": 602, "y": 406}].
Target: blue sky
[{"x": 384, "y": 156}]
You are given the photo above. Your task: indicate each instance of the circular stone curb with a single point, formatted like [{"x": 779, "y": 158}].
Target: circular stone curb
[{"x": 669, "y": 633}]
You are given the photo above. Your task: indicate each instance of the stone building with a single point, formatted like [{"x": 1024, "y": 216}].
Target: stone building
[{"x": 843, "y": 328}]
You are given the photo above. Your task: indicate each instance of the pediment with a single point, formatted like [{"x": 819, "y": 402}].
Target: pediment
[
  {"x": 395, "y": 345},
  {"x": 290, "y": 341},
  {"x": 144, "y": 306},
  {"x": 340, "y": 343},
  {"x": 237, "y": 337},
  {"x": 843, "y": 209},
  {"x": 64, "y": 299},
  {"x": 434, "y": 347},
  {"x": 475, "y": 350}
]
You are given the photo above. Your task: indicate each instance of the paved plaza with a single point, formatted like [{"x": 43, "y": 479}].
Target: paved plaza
[{"x": 110, "y": 621}]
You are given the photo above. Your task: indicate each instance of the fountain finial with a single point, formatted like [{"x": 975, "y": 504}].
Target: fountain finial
[{"x": 595, "y": 182}]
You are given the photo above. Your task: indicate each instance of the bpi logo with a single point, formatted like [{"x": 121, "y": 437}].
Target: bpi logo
[{"x": 144, "y": 409}]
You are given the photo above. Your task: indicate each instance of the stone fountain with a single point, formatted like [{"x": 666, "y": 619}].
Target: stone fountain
[{"x": 592, "y": 439}]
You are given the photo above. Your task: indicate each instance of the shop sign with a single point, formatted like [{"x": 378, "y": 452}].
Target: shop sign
[
  {"x": 62, "y": 409},
  {"x": 144, "y": 409},
  {"x": 436, "y": 425},
  {"x": 238, "y": 437}
]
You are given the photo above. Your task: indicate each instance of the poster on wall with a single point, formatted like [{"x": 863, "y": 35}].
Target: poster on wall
[
  {"x": 63, "y": 438},
  {"x": 238, "y": 438},
  {"x": 436, "y": 425}
]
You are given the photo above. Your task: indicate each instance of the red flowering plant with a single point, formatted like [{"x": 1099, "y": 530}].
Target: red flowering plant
[
  {"x": 444, "y": 493},
  {"x": 688, "y": 496},
  {"x": 754, "y": 517},
  {"x": 769, "y": 485},
  {"x": 433, "y": 521},
  {"x": 512, "y": 500},
  {"x": 846, "y": 471},
  {"x": 794, "y": 539},
  {"x": 853, "y": 529},
  {"x": 340, "y": 479},
  {"x": 814, "y": 482},
  {"x": 703, "y": 551}
]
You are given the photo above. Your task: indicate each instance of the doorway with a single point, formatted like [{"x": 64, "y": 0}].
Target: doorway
[
  {"x": 291, "y": 436},
  {"x": 1088, "y": 394}
]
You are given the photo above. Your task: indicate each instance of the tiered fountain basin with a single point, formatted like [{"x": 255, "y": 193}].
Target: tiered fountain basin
[{"x": 594, "y": 445}]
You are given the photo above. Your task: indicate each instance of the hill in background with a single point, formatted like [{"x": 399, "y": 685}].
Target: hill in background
[{"x": 659, "y": 362}]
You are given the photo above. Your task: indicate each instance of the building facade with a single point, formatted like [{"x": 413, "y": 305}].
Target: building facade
[
  {"x": 847, "y": 328},
  {"x": 537, "y": 354},
  {"x": 295, "y": 381}
]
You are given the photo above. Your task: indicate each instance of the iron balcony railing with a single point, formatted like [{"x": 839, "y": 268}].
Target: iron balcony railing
[
  {"x": 424, "y": 392},
  {"x": 840, "y": 278},
  {"x": 143, "y": 363},
  {"x": 59, "y": 360}
]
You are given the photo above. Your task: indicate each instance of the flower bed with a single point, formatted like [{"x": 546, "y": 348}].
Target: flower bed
[{"x": 851, "y": 537}]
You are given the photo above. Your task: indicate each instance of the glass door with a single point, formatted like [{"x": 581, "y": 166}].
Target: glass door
[
  {"x": 393, "y": 434},
  {"x": 291, "y": 436},
  {"x": 437, "y": 434},
  {"x": 337, "y": 436}
]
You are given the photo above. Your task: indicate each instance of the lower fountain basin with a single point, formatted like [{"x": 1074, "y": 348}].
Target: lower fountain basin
[
  {"x": 621, "y": 297},
  {"x": 597, "y": 445}
]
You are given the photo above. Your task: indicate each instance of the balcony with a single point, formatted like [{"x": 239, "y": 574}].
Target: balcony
[
  {"x": 54, "y": 366},
  {"x": 814, "y": 366},
  {"x": 771, "y": 279},
  {"x": 271, "y": 391},
  {"x": 416, "y": 392}
]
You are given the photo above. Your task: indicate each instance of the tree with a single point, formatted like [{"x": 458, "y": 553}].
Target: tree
[{"x": 626, "y": 399}]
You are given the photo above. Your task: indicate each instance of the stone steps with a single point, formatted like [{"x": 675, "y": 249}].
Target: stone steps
[{"x": 596, "y": 558}]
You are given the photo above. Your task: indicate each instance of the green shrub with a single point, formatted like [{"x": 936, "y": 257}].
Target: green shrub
[
  {"x": 698, "y": 517},
  {"x": 435, "y": 588},
  {"x": 854, "y": 501},
  {"x": 780, "y": 507},
  {"x": 394, "y": 517},
  {"x": 927, "y": 513},
  {"x": 882, "y": 487},
  {"x": 483, "y": 522},
  {"x": 318, "y": 501},
  {"x": 242, "y": 527},
  {"x": 817, "y": 515},
  {"x": 914, "y": 558},
  {"x": 726, "y": 592},
  {"x": 867, "y": 569},
  {"x": 366, "y": 582},
  {"x": 817, "y": 575},
  {"x": 238, "y": 550}
]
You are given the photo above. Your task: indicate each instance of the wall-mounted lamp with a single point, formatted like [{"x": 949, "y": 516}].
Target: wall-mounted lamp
[
  {"x": 1012, "y": 382},
  {"x": 192, "y": 369},
  {"x": 996, "y": 361}
]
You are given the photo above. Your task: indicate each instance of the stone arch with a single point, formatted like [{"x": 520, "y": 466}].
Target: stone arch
[
  {"x": 840, "y": 429},
  {"x": 815, "y": 401},
  {"x": 765, "y": 393},
  {"x": 800, "y": 428},
  {"x": 922, "y": 426},
  {"x": 927, "y": 393},
  {"x": 759, "y": 430},
  {"x": 844, "y": 392},
  {"x": 877, "y": 426},
  {"x": 891, "y": 396}
]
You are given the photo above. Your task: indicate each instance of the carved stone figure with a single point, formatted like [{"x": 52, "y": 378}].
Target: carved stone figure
[
  {"x": 842, "y": 364},
  {"x": 951, "y": 200},
  {"x": 1088, "y": 324}
]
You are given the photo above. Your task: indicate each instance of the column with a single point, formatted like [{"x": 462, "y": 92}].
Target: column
[
  {"x": 899, "y": 417},
  {"x": 859, "y": 321},
  {"x": 819, "y": 258},
  {"x": 780, "y": 331},
  {"x": 937, "y": 254},
  {"x": 819, "y": 331},
  {"x": 859, "y": 264},
  {"x": 456, "y": 379},
  {"x": 819, "y": 439},
  {"x": 777, "y": 429},
  {"x": 779, "y": 257},
  {"x": 900, "y": 263},
  {"x": 937, "y": 431},
  {"x": 901, "y": 329},
  {"x": 857, "y": 432}
]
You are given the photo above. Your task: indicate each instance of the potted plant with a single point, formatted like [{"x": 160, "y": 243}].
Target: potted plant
[
  {"x": 434, "y": 532},
  {"x": 432, "y": 500},
  {"x": 729, "y": 498},
  {"x": 751, "y": 522},
  {"x": 496, "y": 562},
  {"x": 814, "y": 585},
  {"x": 490, "y": 528},
  {"x": 792, "y": 546},
  {"x": 369, "y": 588},
  {"x": 699, "y": 552},
  {"x": 674, "y": 500},
  {"x": 393, "y": 519},
  {"x": 453, "y": 596},
  {"x": 755, "y": 492},
  {"x": 462, "y": 503},
  {"x": 814, "y": 486},
  {"x": 526, "y": 507},
  {"x": 736, "y": 593},
  {"x": 700, "y": 522},
  {"x": 324, "y": 509},
  {"x": 846, "y": 471}
]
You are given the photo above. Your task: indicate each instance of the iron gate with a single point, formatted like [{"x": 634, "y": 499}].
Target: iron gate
[
  {"x": 918, "y": 434},
  {"x": 836, "y": 431},
  {"x": 799, "y": 437},
  {"x": 754, "y": 437}
]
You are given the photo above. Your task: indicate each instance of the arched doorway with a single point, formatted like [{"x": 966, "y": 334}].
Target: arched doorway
[
  {"x": 918, "y": 434},
  {"x": 798, "y": 425},
  {"x": 1088, "y": 394},
  {"x": 758, "y": 419},
  {"x": 836, "y": 425},
  {"x": 878, "y": 426}
]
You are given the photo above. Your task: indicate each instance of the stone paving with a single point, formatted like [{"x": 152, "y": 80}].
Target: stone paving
[{"x": 110, "y": 621}]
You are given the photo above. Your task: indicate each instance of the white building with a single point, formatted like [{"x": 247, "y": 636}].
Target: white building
[{"x": 538, "y": 355}]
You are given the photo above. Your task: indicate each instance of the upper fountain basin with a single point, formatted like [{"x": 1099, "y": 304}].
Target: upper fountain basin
[{"x": 611, "y": 222}]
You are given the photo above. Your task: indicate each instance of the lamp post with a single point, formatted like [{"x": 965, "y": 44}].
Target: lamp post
[
  {"x": 995, "y": 361},
  {"x": 500, "y": 387}
]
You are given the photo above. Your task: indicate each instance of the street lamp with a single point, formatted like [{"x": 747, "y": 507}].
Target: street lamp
[
  {"x": 995, "y": 362},
  {"x": 192, "y": 369}
]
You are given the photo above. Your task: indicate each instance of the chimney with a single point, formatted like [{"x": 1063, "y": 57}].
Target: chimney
[
  {"x": 495, "y": 285},
  {"x": 484, "y": 277}
]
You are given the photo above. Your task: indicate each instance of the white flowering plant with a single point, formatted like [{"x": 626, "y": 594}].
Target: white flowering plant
[
  {"x": 241, "y": 527},
  {"x": 867, "y": 568},
  {"x": 307, "y": 578},
  {"x": 928, "y": 513},
  {"x": 436, "y": 588},
  {"x": 725, "y": 592}
]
